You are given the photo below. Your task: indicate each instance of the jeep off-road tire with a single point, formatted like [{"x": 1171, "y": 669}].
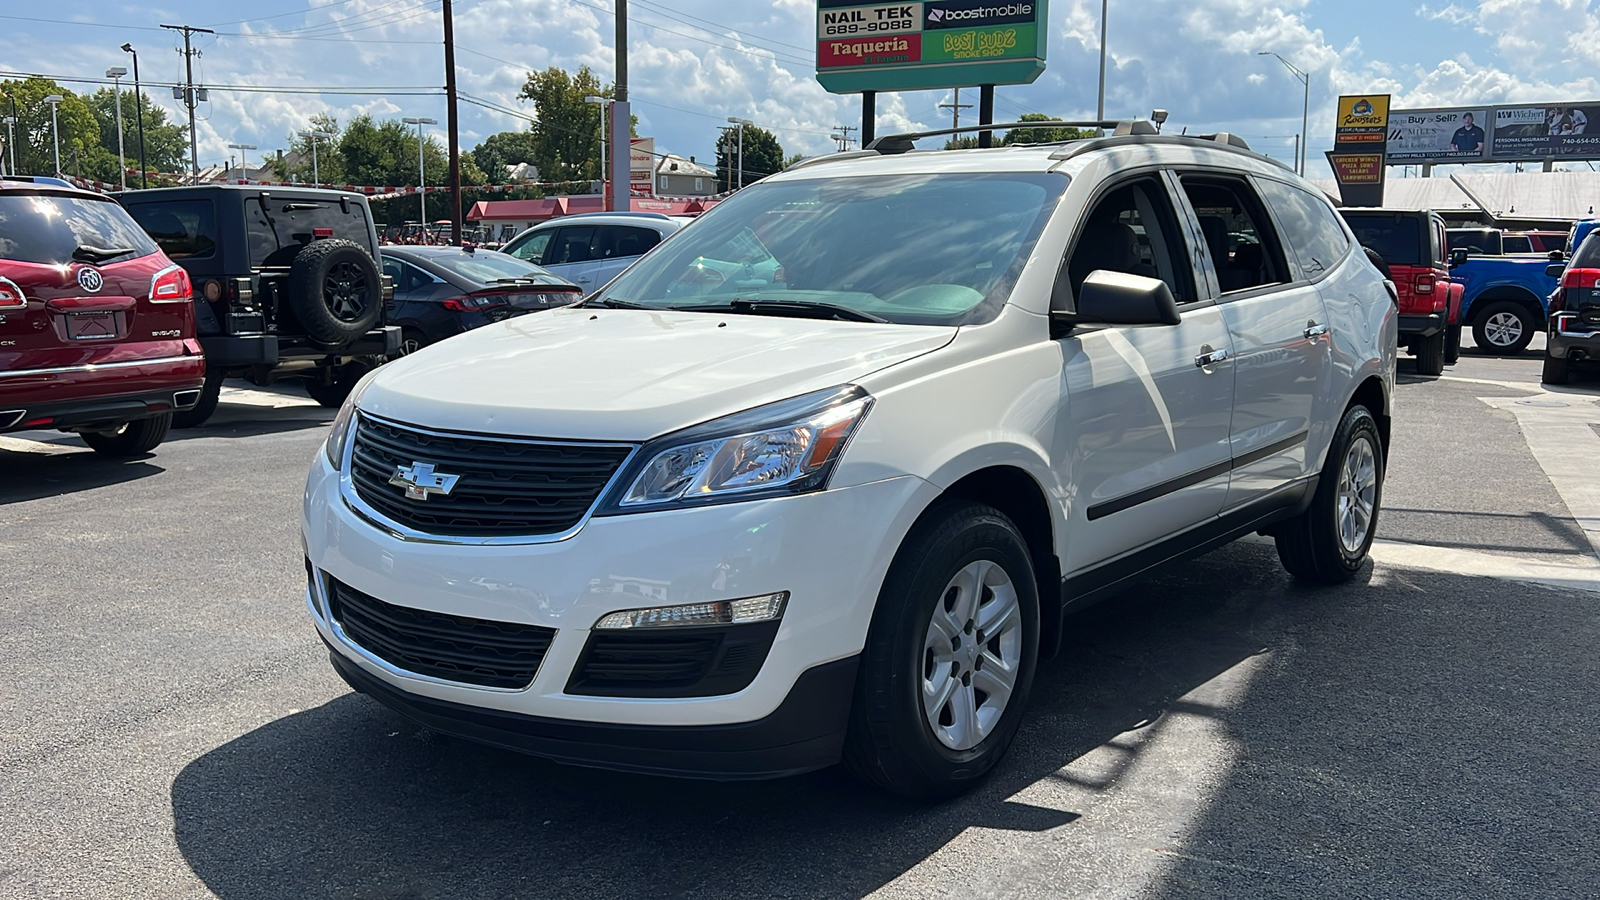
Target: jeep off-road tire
[
  {"x": 1328, "y": 542},
  {"x": 1557, "y": 370},
  {"x": 950, "y": 657},
  {"x": 1430, "y": 353},
  {"x": 210, "y": 392},
  {"x": 134, "y": 438},
  {"x": 1452, "y": 345},
  {"x": 1504, "y": 328},
  {"x": 332, "y": 394},
  {"x": 334, "y": 291}
]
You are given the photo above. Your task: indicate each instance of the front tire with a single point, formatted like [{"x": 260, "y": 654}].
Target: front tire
[
  {"x": 950, "y": 658},
  {"x": 1328, "y": 542},
  {"x": 1504, "y": 328},
  {"x": 1430, "y": 352},
  {"x": 134, "y": 438},
  {"x": 1557, "y": 370}
]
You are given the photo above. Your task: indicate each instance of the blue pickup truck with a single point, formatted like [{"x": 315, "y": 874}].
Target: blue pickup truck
[{"x": 1505, "y": 297}]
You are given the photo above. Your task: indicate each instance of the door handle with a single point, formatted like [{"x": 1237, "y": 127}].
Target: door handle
[
  {"x": 1210, "y": 357},
  {"x": 1314, "y": 330}
]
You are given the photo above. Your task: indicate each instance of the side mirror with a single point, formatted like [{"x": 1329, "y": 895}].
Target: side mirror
[
  {"x": 1117, "y": 298},
  {"x": 1554, "y": 270},
  {"x": 1557, "y": 256},
  {"x": 1458, "y": 256}
]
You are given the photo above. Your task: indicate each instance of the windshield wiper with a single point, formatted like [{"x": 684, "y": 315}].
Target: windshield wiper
[
  {"x": 99, "y": 254},
  {"x": 614, "y": 303},
  {"x": 779, "y": 306}
]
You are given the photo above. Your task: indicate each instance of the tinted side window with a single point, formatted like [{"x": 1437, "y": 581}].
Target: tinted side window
[
  {"x": 1439, "y": 244},
  {"x": 1310, "y": 227},
  {"x": 571, "y": 245},
  {"x": 1588, "y": 255},
  {"x": 616, "y": 241},
  {"x": 185, "y": 229},
  {"x": 1133, "y": 230},
  {"x": 532, "y": 248},
  {"x": 41, "y": 228},
  {"x": 1243, "y": 247},
  {"x": 1398, "y": 238}
]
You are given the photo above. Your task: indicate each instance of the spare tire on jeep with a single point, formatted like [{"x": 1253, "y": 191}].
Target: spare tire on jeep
[{"x": 334, "y": 291}]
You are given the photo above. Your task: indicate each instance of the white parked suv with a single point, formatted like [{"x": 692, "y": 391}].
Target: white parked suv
[
  {"x": 838, "y": 511},
  {"x": 589, "y": 249}
]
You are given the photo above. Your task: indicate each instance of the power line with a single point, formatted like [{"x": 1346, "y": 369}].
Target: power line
[{"x": 298, "y": 12}]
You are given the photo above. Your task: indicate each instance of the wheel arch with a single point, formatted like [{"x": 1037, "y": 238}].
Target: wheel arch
[
  {"x": 1015, "y": 492},
  {"x": 1373, "y": 394},
  {"x": 1495, "y": 293}
]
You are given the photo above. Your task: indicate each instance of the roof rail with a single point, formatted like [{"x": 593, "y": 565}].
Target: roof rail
[
  {"x": 48, "y": 180},
  {"x": 617, "y": 212},
  {"x": 1224, "y": 137},
  {"x": 828, "y": 158},
  {"x": 902, "y": 143},
  {"x": 1219, "y": 141}
]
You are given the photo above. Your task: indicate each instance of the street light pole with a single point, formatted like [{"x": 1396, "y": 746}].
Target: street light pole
[
  {"x": 11, "y": 142},
  {"x": 311, "y": 138},
  {"x": 115, "y": 73},
  {"x": 244, "y": 161},
  {"x": 422, "y": 178},
  {"x": 1100, "y": 104},
  {"x": 605, "y": 151},
  {"x": 55, "y": 136},
  {"x": 1305, "y": 109},
  {"x": 740, "y": 123},
  {"x": 138, "y": 109}
]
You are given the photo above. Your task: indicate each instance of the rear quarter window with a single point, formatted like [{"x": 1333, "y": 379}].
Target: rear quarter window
[
  {"x": 1398, "y": 238},
  {"x": 1588, "y": 255},
  {"x": 1308, "y": 225},
  {"x": 184, "y": 229},
  {"x": 46, "y": 228}
]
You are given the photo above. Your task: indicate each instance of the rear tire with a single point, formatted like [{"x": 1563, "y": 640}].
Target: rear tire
[
  {"x": 332, "y": 395},
  {"x": 1504, "y": 328},
  {"x": 134, "y": 438},
  {"x": 1430, "y": 353},
  {"x": 1557, "y": 370},
  {"x": 1452, "y": 345},
  {"x": 196, "y": 415},
  {"x": 1328, "y": 542},
  {"x": 950, "y": 658}
]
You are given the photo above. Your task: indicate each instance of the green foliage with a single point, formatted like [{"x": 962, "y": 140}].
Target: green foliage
[
  {"x": 166, "y": 145},
  {"x": 961, "y": 143},
  {"x": 566, "y": 130},
  {"x": 76, "y": 126},
  {"x": 763, "y": 155},
  {"x": 297, "y": 162},
  {"x": 508, "y": 148},
  {"x": 1044, "y": 135}
]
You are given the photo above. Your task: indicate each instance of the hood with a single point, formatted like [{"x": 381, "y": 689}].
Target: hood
[{"x": 630, "y": 375}]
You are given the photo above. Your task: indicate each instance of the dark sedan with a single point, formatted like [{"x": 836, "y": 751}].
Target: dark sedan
[{"x": 443, "y": 291}]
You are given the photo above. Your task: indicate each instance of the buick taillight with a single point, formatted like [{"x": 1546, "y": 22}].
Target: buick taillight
[
  {"x": 171, "y": 285},
  {"x": 11, "y": 296}
]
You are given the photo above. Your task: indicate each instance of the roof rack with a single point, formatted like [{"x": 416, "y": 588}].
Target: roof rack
[
  {"x": 903, "y": 143},
  {"x": 47, "y": 180}
]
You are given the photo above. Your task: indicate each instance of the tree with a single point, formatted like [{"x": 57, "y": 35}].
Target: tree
[
  {"x": 763, "y": 155},
  {"x": 76, "y": 127},
  {"x": 1044, "y": 135},
  {"x": 566, "y": 130},
  {"x": 298, "y": 164},
  {"x": 166, "y": 146},
  {"x": 508, "y": 148}
]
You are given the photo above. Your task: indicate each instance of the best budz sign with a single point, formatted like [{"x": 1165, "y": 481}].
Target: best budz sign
[{"x": 928, "y": 45}]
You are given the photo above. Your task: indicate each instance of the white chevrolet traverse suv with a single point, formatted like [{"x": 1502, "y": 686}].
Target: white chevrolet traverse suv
[{"x": 835, "y": 504}]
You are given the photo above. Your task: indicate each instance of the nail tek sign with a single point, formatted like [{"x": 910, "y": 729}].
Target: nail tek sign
[{"x": 928, "y": 45}]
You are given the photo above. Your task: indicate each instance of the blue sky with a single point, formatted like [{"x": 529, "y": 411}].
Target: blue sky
[{"x": 693, "y": 63}]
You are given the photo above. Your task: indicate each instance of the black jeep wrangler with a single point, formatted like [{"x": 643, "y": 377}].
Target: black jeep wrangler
[{"x": 290, "y": 283}]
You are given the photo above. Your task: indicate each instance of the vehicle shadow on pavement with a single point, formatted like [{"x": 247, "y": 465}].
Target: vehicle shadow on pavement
[
  {"x": 36, "y": 476},
  {"x": 350, "y": 800},
  {"x": 241, "y": 421}
]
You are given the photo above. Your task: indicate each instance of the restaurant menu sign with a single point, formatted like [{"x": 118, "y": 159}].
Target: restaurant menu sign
[
  {"x": 928, "y": 45},
  {"x": 1360, "y": 135}
]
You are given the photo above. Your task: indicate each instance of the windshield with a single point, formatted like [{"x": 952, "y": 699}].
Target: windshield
[
  {"x": 489, "y": 267},
  {"x": 911, "y": 249},
  {"x": 49, "y": 229}
]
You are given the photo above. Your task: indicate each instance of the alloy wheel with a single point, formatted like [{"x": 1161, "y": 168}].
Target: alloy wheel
[
  {"x": 345, "y": 288},
  {"x": 1503, "y": 329},
  {"x": 972, "y": 655},
  {"x": 1358, "y": 494}
]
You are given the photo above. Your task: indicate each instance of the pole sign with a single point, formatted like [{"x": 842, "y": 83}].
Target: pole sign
[
  {"x": 1359, "y": 138},
  {"x": 928, "y": 45}
]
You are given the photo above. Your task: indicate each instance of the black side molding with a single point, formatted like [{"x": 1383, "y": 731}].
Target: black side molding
[{"x": 1128, "y": 501}]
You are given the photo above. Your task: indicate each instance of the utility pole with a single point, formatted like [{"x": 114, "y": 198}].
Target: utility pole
[
  {"x": 450, "y": 123},
  {"x": 189, "y": 93},
  {"x": 115, "y": 74},
  {"x": 1100, "y": 104},
  {"x": 621, "y": 198},
  {"x": 843, "y": 137},
  {"x": 955, "y": 107}
]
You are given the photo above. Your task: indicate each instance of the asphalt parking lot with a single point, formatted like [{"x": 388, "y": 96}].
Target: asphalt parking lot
[{"x": 170, "y": 727}]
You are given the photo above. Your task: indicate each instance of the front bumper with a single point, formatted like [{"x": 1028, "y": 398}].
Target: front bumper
[{"x": 830, "y": 550}]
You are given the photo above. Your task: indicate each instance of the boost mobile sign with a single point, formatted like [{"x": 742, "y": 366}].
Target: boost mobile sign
[{"x": 928, "y": 45}]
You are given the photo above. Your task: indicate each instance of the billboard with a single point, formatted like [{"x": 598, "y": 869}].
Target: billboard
[
  {"x": 931, "y": 44},
  {"x": 1438, "y": 135},
  {"x": 1546, "y": 132},
  {"x": 1519, "y": 133}
]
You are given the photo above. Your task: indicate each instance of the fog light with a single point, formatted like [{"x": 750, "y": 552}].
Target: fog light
[{"x": 718, "y": 612}]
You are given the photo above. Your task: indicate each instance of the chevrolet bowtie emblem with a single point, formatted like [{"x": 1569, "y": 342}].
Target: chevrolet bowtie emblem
[{"x": 420, "y": 480}]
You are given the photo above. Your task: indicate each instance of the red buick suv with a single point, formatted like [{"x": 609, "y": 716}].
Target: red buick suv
[{"x": 96, "y": 323}]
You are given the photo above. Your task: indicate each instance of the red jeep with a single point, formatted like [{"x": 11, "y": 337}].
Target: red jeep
[
  {"x": 1413, "y": 246},
  {"x": 96, "y": 323}
]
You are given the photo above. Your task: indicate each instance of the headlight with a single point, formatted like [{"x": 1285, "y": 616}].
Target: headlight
[
  {"x": 340, "y": 432},
  {"x": 782, "y": 448}
]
